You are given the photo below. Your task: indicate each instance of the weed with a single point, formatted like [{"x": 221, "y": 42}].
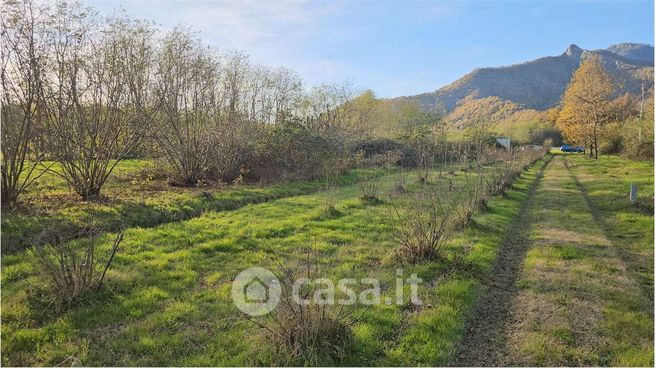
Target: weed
[
  {"x": 473, "y": 191},
  {"x": 329, "y": 200},
  {"x": 369, "y": 190},
  {"x": 424, "y": 224},
  {"x": 306, "y": 334}
]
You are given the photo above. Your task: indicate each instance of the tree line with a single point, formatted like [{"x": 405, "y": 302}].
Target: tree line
[
  {"x": 81, "y": 92},
  {"x": 86, "y": 92}
]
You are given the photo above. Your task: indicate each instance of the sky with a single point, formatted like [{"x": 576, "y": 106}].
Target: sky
[{"x": 397, "y": 47}]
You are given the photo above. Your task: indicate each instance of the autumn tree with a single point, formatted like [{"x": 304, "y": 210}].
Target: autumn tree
[
  {"x": 363, "y": 113},
  {"x": 586, "y": 104}
]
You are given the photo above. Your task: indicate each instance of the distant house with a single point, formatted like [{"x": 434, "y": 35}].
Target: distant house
[{"x": 505, "y": 142}]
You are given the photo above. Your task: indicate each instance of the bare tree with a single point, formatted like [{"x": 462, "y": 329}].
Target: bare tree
[
  {"x": 186, "y": 81},
  {"x": 254, "y": 99},
  {"x": 326, "y": 111},
  {"x": 23, "y": 57},
  {"x": 287, "y": 89},
  {"x": 94, "y": 98}
]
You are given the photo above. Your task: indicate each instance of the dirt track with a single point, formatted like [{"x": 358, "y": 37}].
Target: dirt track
[
  {"x": 559, "y": 293},
  {"x": 484, "y": 343}
]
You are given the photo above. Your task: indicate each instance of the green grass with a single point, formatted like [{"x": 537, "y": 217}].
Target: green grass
[
  {"x": 131, "y": 201},
  {"x": 580, "y": 303},
  {"x": 167, "y": 297},
  {"x": 606, "y": 184}
]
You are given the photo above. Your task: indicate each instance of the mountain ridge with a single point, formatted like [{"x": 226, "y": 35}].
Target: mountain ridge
[{"x": 539, "y": 84}]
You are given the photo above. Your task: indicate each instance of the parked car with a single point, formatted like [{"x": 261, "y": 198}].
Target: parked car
[{"x": 567, "y": 148}]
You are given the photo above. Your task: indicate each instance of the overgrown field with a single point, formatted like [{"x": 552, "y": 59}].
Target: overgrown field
[{"x": 166, "y": 299}]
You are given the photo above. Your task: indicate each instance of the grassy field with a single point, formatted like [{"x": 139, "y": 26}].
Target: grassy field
[
  {"x": 630, "y": 228},
  {"x": 579, "y": 302},
  {"x": 167, "y": 297},
  {"x": 137, "y": 195},
  {"x": 572, "y": 287},
  {"x": 167, "y": 300}
]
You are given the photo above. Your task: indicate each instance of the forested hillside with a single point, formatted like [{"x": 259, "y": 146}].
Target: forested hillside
[{"x": 539, "y": 84}]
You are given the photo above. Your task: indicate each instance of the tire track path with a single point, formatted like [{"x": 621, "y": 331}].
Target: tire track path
[
  {"x": 483, "y": 344},
  {"x": 560, "y": 294}
]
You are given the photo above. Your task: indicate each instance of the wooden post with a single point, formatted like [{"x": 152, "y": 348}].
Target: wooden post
[{"x": 633, "y": 193}]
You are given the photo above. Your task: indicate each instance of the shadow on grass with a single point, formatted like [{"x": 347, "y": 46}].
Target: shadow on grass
[{"x": 20, "y": 227}]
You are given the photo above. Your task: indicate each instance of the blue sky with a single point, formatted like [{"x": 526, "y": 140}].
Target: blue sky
[{"x": 398, "y": 47}]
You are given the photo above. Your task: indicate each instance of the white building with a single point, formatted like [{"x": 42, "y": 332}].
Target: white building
[{"x": 505, "y": 142}]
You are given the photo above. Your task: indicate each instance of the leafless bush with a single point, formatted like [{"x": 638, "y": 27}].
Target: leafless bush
[
  {"x": 497, "y": 180},
  {"x": 311, "y": 333},
  {"x": 503, "y": 171},
  {"x": 232, "y": 148},
  {"x": 471, "y": 192},
  {"x": 73, "y": 266},
  {"x": 508, "y": 164},
  {"x": 186, "y": 74},
  {"x": 425, "y": 163},
  {"x": 399, "y": 185},
  {"x": 425, "y": 221},
  {"x": 369, "y": 189},
  {"x": 329, "y": 200}
]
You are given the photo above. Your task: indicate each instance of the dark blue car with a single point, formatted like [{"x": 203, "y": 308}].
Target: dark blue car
[{"x": 567, "y": 148}]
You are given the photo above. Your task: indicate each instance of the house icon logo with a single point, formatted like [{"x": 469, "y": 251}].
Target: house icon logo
[{"x": 256, "y": 291}]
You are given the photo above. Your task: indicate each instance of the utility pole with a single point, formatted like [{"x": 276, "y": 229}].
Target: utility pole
[{"x": 641, "y": 110}]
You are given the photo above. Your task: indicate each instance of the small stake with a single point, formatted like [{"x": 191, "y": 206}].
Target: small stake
[{"x": 633, "y": 193}]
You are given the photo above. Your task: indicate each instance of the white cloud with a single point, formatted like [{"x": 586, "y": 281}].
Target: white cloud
[
  {"x": 271, "y": 32},
  {"x": 306, "y": 35},
  {"x": 229, "y": 24}
]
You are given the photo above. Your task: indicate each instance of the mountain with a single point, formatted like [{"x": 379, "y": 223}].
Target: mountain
[
  {"x": 634, "y": 51},
  {"x": 539, "y": 84}
]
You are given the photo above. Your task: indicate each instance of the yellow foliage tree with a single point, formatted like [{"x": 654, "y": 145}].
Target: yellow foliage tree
[{"x": 586, "y": 104}]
